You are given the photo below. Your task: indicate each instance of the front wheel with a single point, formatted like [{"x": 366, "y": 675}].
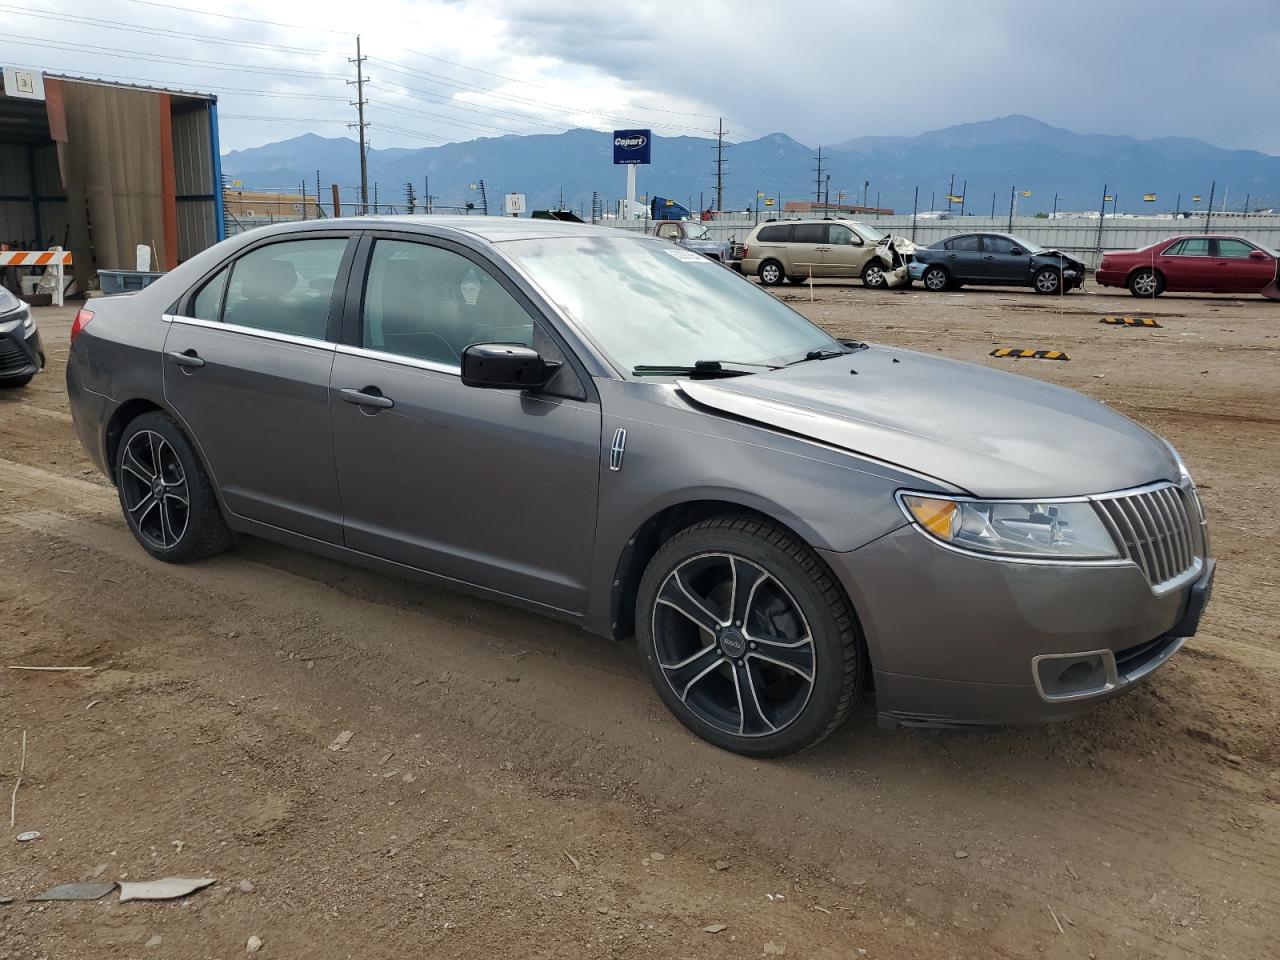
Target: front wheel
[
  {"x": 936, "y": 279},
  {"x": 166, "y": 496},
  {"x": 1047, "y": 280},
  {"x": 16, "y": 382},
  {"x": 1146, "y": 283},
  {"x": 748, "y": 638},
  {"x": 873, "y": 275},
  {"x": 770, "y": 273}
]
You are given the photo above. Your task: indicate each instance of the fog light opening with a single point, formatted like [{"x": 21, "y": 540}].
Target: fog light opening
[{"x": 1072, "y": 675}]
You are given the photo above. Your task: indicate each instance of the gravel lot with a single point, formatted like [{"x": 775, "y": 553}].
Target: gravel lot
[{"x": 513, "y": 789}]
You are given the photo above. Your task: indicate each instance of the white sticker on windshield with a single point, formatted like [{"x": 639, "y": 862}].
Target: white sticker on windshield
[{"x": 688, "y": 256}]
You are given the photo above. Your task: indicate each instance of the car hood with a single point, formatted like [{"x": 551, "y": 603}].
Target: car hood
[
  {"x": 990, "y": 433},
  {"x": 708, "y": 245}
]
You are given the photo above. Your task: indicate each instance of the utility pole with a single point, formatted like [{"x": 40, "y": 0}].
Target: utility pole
[
  {"x": 951, "y": 192},
  {"x": 993, "y": 204},
  {"x": 865, "y": 184},
  {"x": 360, "y": 103},
  {"x": 426, "y": 194},
  {"x": 1208, "y": 214},
  {"x": 1177, "y": 208},
  {"x": 826, "y": 198},
  {"x": 1102, "y": 215},
  {"x": 1247, "y": 197},
  {"x": 484, "y": 200},
  {"x": 410, "y": 201},
  {"x": 1012, "y": 195},
  {"x": 964, "y": 193},
  {"x": 877, "y": 204},
  {"x": 817, "y": 180},
  {"x": 1055, "y": 207},
  {"x": 915, "y": 205},
  {"x": 319, "y": 211},
  {"x": 304, "y": 200},
  {"x": 375, "y": 198},
  {"x": 720, "y": 166}
]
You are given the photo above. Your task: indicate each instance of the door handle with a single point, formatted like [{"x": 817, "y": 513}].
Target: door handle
[
  {"x": 188, "y": 358},
  {"x": 364, "y": 398},
  {"x": 989, "y": 256}
]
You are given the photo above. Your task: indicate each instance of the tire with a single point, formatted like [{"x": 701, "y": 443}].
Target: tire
[
  {"x": 873, "y": 275},
  {"x": 1048, "y": 281},
  {"x": 16, "y": 382},
  {"x": 165, "y": 528},
  {"x": 1146, "y": 283},
  {"x": 797, "y": 280},
  {"x": 803, "y": 681},
  {"x": 770, "y": 273},
  {"x": 936, "y": 279}
]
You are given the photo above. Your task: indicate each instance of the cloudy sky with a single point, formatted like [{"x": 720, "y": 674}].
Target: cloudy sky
[{"x": 820, "y": 70}]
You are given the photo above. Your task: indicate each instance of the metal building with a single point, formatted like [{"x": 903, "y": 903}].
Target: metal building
[{"x": 99, "y": 168}]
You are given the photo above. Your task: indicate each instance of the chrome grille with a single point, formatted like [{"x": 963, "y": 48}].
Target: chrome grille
[
  {"x": 12, "y": 356},
  {"x": 1155, "y": 530}
]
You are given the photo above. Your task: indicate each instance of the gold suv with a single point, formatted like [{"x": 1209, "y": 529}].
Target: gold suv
[{"x": 798, "y": 249}]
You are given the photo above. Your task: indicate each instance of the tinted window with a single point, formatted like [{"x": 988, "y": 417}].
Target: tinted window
[
  {"x": 430, "y": 303},
  {"x": 1234, "y": 248},
  {"x": 840, "y": 235},
  {"x": 285, "y": 287},
  {"x": 810, "y": 233},
  {"x": 208, "y": 302},
  {"x": 964, "y": 244},
  {"x": 1003, "y": 245},
  {"x": 778, "y": 234},
  {"x": 1192, "y": 247}
]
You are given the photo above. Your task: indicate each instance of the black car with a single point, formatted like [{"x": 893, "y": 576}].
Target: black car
[
  {"x": 21, "y": 353},
  {"x": 997, "y": 259}
]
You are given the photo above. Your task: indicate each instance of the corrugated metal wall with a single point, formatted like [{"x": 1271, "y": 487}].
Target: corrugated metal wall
[
  {"x": 16, "y": 215},
  {"x": 193, "y": 168}
]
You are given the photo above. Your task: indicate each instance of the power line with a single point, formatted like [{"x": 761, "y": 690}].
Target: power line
[
  {"x": 142, "y": 28},
  {"x": 166, "y": 85},
  {"x": 231, "y": 16},
  {"x": 71, "y": 47}
]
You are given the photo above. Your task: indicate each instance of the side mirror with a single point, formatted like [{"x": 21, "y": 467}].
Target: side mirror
[
  {"x": 1015, "y": 251},
  {"x": 1257, "y": 255},
  {"x": 506, "y": 366},
  {"x": 856, "y": 241}
]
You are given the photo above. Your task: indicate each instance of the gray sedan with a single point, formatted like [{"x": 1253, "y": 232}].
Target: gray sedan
[{"x": 625, "y": 435}]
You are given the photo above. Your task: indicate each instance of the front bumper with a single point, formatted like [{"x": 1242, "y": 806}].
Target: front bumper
[
  {"x": 20, "y": 356},
  {"x": 916, "y": 269},
  {"x": 958, "y": 639}
]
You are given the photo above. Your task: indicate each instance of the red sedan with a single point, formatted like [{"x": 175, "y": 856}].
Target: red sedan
[{"x": 1199, "y": 263}]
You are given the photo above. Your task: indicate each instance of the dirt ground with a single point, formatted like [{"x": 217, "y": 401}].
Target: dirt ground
[{"x": 513, "y": 788}]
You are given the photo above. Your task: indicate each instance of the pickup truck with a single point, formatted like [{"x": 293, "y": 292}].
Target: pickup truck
[{"x": 691, "y": 234}]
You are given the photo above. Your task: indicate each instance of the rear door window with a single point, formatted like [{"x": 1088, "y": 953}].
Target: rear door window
[
  {"x": 285, "y": 287},
  {"x": 814, "y": 233},
  {"x": 1191, "y": 247},
  {"x": 967, "y": 244},
  {"x": 776, "y": 234}
]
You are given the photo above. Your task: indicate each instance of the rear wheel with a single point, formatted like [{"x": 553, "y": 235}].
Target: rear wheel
[
  {"x": 1146, "y": 283},
  {"x": 770, "y": 273},
  {"x": 16, "y": 381},
  {"x": 873, "y": 275},
  {"x": 935, "y": 278},
  {"x": 748, "y": 638},
  {"x": 1047, "y": 280},
  {"x": 166, "y": 496}
]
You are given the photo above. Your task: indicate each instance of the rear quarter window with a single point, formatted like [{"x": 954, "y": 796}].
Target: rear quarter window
[{"x": 776, "y": 234}]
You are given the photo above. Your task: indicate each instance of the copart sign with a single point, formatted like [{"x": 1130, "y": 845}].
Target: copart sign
[{"x": 631, "y": 146}]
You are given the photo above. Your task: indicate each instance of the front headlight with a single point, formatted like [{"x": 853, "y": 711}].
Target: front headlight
[
  {"x": 28, "y": 323},
  {"x": 1069, "y": 530}
]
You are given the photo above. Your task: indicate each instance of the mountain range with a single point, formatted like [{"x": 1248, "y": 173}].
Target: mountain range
[{"x": 989, "y": 160}]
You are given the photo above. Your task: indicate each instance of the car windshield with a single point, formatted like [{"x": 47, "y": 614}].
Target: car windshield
[
  {"x": 644, "y": 303},
  {"x": 696, "y": 231}
]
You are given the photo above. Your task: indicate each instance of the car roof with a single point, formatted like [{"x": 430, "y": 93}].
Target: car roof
[{"x": 492, "y": 229}]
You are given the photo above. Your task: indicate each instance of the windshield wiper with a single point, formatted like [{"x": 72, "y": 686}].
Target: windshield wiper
[
  {"x": 701, "y": 369},
  {"x": 850, "y": 347}
]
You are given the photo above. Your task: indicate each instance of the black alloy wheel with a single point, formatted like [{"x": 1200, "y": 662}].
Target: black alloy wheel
[
  {"x": 748, "y": 639},
  {"x": 166, "y": 496}
]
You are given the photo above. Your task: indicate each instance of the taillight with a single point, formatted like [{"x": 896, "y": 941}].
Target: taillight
[
  {"x": 745, "y": 248},
  {"x": 1104, "y": 264},
  {"x": 83, "y": 316}
]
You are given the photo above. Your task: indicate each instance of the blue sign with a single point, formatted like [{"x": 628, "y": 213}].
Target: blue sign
[{"x": 631, "y": 146}]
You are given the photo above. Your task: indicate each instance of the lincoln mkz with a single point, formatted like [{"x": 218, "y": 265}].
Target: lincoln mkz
[{"x": 623, "y": 434}]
